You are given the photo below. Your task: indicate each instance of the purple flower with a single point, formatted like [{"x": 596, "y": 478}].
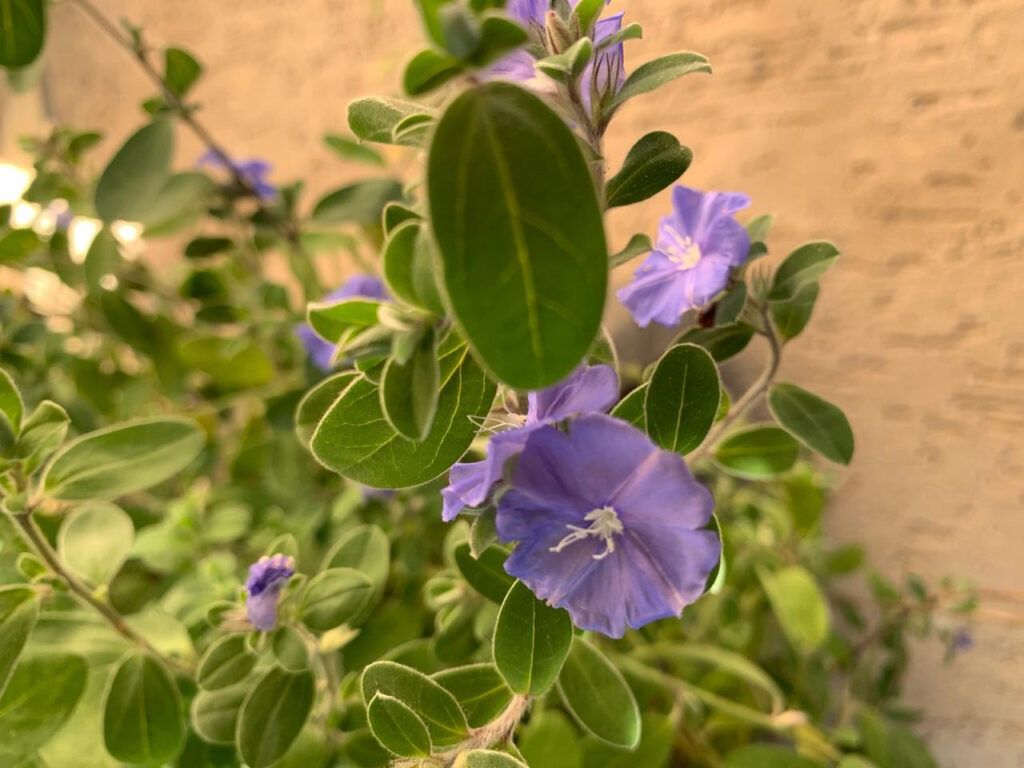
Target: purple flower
[
  {"x": 698, "y": 246},
  {"x": 321, "y": 351},
  {"x": 963, "y": 640},
  {"x": 608, "y": 526},
  {"x": 587, "y": 390},
  {"x": 266, "y": 577},
  {"x": 254, "y": 171}
]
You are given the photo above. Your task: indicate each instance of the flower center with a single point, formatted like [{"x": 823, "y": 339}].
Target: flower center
[
  {"x": 604, "y": 523},
  {"x": 680, "y": 249}
]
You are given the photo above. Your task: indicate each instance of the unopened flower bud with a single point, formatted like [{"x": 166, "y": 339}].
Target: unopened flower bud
[{"x": 560, "y": 39}]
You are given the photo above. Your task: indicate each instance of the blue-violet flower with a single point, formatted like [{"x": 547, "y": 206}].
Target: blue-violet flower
[
  {"x": 698, "y": 246},
  {"x": 589, "y": 389},
  {"x": 320, "y": 351},
  {"x": 609, "y": 526},
  {"x": 253, "y": 170},
  {"x": 266, "y": 577}
]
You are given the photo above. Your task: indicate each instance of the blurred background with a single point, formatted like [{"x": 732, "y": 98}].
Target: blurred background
[{"x": 893, "y": 127}]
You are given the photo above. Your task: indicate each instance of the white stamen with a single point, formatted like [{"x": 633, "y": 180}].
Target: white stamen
[
  {"x": 604, "y": 523},
  {"x": 681, "y": 249}
]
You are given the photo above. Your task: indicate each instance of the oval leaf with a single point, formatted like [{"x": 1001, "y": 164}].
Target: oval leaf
[
  {"x": 19, "y": 611},
  {"x": 358, "y": 203},
  {"x": 39, "y": 698},
  {"x": 22, "y": 31},
  {"x": 135, "y": 177},
  {"x": 375, "y": 118},
  {"x": 805, "y": 265},
  {"x": 487, "y": 758},
  {"x": 122, "y": 459},
  {"x": 480, "y": 690},
  {"x": 397, "y": 727},
  {"x": 486, "y": 574},
  {"x": 596, "y": 694},
  {"x": 816, "y": 423},
  {"x": 531, "y": 641},
  {"x": 657, "y": 73},
  {"x": 766, "y": 756},
  {"x": 273, "y": 715},
  {"x": 683, "y": 398},
  {"x": 438, "y": 709},
  {"x": 721, "y": 343},
  {"x": 758, "y": 452},
  {"x": 653, "y": 164},
  {"x": 551, "y": 741},
  {"x": 142, "y": 718},
  {"x": 226, "y": 662},
  {"x": 517, "y": 220},
  {"x": 334, "y": 597},
  {"x": 800, "y": 607},
  {"x": 409, "y": 391},
  {"x": 215, "y": 714},
  {"x": 95, "y": 541}
]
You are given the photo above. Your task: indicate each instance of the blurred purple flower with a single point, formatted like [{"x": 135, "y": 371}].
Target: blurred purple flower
[
  {"x": 698, "y": 246},
  {"x": 589, "y": 389},
  {"x": 254, "y": 171},
  {"x": 963, "y": 640},
  {"x": 609, "y": 526},
  {"x": 320, "y": 351},
  {"x": 266, "y": 577},
  {"x": 606, "y": 72}
]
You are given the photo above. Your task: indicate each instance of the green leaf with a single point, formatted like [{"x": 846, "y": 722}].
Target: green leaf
[
  {"x": 631, "y": 408},
  {"x": 758, "y": 452},
  {"x": 204, "y": 247},
  {"x": 438, "y": 709},
  {"x": 567, "y": 66},
  {"x": 318, "y": 402},
  {"x": 355, "y": 440},
  {"x": 638, "y": 245},
  {"x": 428, "y": 70},
  {"x": 232, "y": 364},
  {"x": 22, "y": 31},
  {"x": 375, "y": 118},
  {"x": 215, "y": 714},
  {"x": 95, "y": 541},
  {"x": 41, "y": 434},
  {"x": 759, "y": 228},
  {"x": 226, "y": 662},
  {"x": 486, "y": 573},
  {"x": 855, "y": 761},
  {"x": 18, "y": 244},
  {"x": 103, "y": 258},
  {"x": 486, "y": 758},
  {"x": 135, "y": 177},
  {"x": 290, "y": 649},
  {"x": 333, "y": 321},
  {"x": 722, "y": 343},
  {"x": 273, "y": 714},
  {"x": 480, "y": 690},
  {"x": 653, "y": 164},
  {"x": 654, "y": 74},
  {"x": 334, "y": 597},
  {"x": 656, "y": 737},
  {"x": 551, "y": 741},
  {"x": 816, "y": 423},
  {"x": 587, "y": 12},
  {"x": 181, "y": 70},
  {"x": 366, "y": 549},
  {"x": 11, "y": 404},
  {"x": 531, "y": 641},
  {"x": 142, "y": 714},
  {"x": 408, "y": 266},
  {"x": 19, "y": 611},
  {"x": 729, "y": 308},
  {"x": 409, "y": 391},
  {"x": 516, "y": 220},
  {"x": 805, "y": 265},
  {"x": 892, "y": 745},
  {"x": 350, "y": 149},
  {"x": 791, "y": 317},
  {"x": 499, "y": 35},
  {"x": 396, "y": 214},
  {"x": 122, "y": 459},
  {"x": 766, "y": 756},
  {"x": 682, "y": 398},
  {"x": 596, "y": 694},
  {"x": 39, "y": 698},
  {"x": 177, "y": 204},
  {"x": 398, "y": 728},
  {"x": 358, "y": 203},
  {"x": 800, "y": 607}
]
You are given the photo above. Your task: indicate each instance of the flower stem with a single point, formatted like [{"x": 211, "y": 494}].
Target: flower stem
[{"x": 38, "y": 543}]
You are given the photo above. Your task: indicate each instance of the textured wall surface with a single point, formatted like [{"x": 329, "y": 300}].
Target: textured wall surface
[{"x": 894, "y": 127}]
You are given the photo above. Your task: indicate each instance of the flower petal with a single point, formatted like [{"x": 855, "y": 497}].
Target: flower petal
[
  {"x": 697, "y": 212},
  {"x": 662, "y": 491},
  {"x": 470, "y": 484},
  {"x": 658, "y": 296},
  {"x": 594, "y": 388},
  {"x": 728, "y": 240}
]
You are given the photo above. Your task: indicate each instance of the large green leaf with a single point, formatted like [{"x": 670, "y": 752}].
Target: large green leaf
[
  {"x": 486, "y": 573},
  {"x": 551, "y": 741},
  {"x": 226, "y": 662},
  {"x": 95, "y": 541},
  {"x": 517, "y": 224},
  {"x": 136, "y": 175},
  {"x": 655, "y": 162},
  {"x": 39, "y": 698},
  {"x": 758, "y": 452},
  {"x": 22, "y": 31},
  {"x": 19, "y": 611},
  {"x": 142, "y": 716},
  {"x": 355, "y": 440},
  {"x": 438, "y": 709},
  {"x": 531, "y": 641},
  {"x": 122, "y": 459},
  {"x": 597, "y": 695},
  {"x": 682, "y": 399},
  {"x": 815, "y": 422},
  {"x": 273, "y": 715},
  {"x": 214, "y": 714},
  {"x": 397, "y": 727},
  {"x": 480, "y": 690},
  {"x": 654, "y": 74},
  {"x": 334, "y": 597},
  {"x": 799, "y": 605}
]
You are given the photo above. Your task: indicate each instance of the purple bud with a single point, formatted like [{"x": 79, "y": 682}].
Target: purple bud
[{"x": 263, "y": 588}]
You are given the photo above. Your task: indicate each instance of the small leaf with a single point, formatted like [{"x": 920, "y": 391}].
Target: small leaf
[
  {"x": 350, "y": 149},
  {"x": 429, "y": 70},
  {"x": 333, "y": 321},
  {"x": 215, "y": 714},
  {"x": 19, "y": 611},
  {"x": 39, "y": 699},
  {"x": 181, "y": 70},
  {"x": 805, "y": 265},
  {"x": 654, "y": 74},
  {"x": 359, "y": 203},
  {"x": 409, "y": 391},
  {"x": 41, "y": 434},
  {"x": 226, "y": 662},
  {"x": 531, "y": 641},
  {"x": 136, "y": 175},
  {"x": 791, "y": 317},
  {"x": 566, "y": 67},
  {"x": 480, "y": 690},
  {"x": 759, "y": 228},
  {"x": 122, "y": 459},
  {"x": 682, "y": 398},
  {"x": 758, "y": 453},
  {"x": 11, "y": 404},
  {"x": 334, "y": 597},
  {"x": 722, "y": 343},
  {"x": 22, "y": 31},
  {"x": 142, "y": 714},
  {"x": 486, "y": 573},
  {"x": 800, "y": 607},
  {"x": 273, "y": 714},
  {"x": 375, "y": 118},
  {"x": 816, "y": 423},
  {"x": 95, "y": 541},
  {"x": 398, "y": 728},
  {"x": 396, "y": 214},
  {"x": 438, "y": 709},
  {"x": 587, "y": 12},
  {"x": 596, "y": 694},
  {"x": 653, "y": 164}
]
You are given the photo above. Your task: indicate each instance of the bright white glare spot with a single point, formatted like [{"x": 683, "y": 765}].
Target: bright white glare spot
[
  {"x": 23, "y": 215},
  {"x": 13, "y": 183},
  {"x": 129, "y": 235},
  {"x": 81, "y": 233},
  {"x": 108, "y": 282},
  {"x": 45, "y": 223},
  {"x": 47, "y": 294}
]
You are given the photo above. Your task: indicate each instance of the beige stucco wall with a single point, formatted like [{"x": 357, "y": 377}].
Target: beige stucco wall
[{"x": 894, "y": 127}]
